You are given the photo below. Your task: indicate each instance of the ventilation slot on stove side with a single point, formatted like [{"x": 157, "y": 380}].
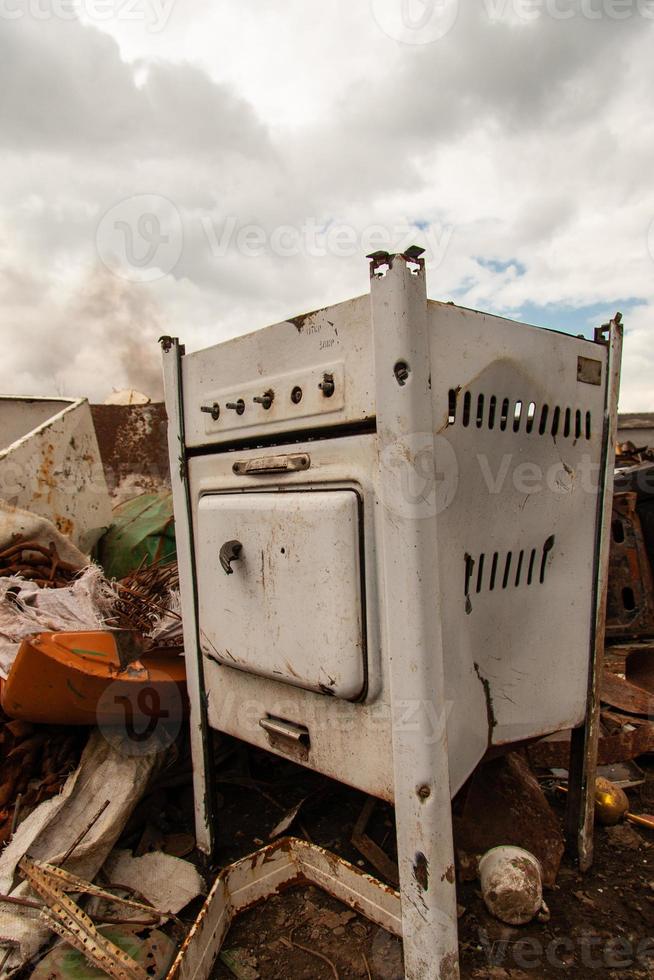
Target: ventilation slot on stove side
[
  {"x": 484, "y": 411},
  {"x": 502, "y": 571}
]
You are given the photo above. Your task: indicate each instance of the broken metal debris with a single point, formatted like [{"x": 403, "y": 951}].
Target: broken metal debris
[
  {"x": 504, "y": 804},
  {"x": 629, "y": 454},
  {"x": 373, "y": 852},
  {"x": 31, "y": 560},
  {"x": 630, "y": 602},
  {"x": 48, "y": 832},
  {"x": 623, "y": 737}
]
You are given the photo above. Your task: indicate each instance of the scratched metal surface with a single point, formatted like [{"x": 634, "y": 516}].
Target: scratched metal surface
[
  {"x": 294, "y": 545},
  {"x": 288, "y": 355},
  {"x": 517, "y": 644}
]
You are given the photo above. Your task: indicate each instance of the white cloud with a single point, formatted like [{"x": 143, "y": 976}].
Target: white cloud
[{"x": 518, "y": 141}]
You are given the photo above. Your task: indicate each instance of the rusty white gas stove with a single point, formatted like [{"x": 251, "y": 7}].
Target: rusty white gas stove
[{"x": 391, "y": 525}]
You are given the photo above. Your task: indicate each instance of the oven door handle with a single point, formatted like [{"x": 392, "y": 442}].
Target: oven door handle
[{"x": 230, "y": 551}]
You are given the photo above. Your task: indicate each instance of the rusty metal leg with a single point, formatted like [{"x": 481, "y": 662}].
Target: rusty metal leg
[
  {"x": 581, "y": 781},
  {"x": 583, "y": 748}
]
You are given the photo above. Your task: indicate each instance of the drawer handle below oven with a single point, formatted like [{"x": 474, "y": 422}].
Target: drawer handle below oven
[
  {"x": 287, "y": 731},
  {"x": 262, "y": 465}
]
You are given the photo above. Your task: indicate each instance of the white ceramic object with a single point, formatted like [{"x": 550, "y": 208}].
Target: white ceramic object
[{"x": 511, "y": 884}]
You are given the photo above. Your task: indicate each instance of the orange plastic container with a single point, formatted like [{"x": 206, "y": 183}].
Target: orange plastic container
[{"x": 91, "y": 678}]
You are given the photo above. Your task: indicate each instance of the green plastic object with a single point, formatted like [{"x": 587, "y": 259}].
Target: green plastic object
[
  {"x": 142, "y": 532},
  {"x": 151, "y": 949}
]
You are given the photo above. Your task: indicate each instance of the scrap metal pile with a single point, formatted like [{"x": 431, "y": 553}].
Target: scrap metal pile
[
  {"x": 87, "y": 663},
  {"x": 95, "y": 820}
]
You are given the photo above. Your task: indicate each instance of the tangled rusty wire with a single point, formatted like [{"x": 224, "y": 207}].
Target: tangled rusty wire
[
  {"x": 144, "y": 596},
  {"x": 35, "y": 761},
  {"x": 35, "y": 562}
]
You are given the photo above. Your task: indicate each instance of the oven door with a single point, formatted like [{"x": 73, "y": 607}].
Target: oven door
[{"x": 280, "y": 587}]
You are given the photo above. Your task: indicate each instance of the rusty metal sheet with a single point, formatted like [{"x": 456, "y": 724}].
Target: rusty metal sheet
[
  {"x": 630, "y": 602},
  {"x": 622, "y": 693},
  {"x": 133, "y": 445},
  {"x": 50, "y": 465},
  {"x": 506, "y": 805},
  {"x": 625, "y": 744}
]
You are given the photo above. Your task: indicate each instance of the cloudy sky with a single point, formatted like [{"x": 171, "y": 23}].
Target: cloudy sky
[{"x": 206, "y": 167}]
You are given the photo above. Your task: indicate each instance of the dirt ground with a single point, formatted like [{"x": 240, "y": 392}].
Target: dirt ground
[{"x": 601, "y": 923}]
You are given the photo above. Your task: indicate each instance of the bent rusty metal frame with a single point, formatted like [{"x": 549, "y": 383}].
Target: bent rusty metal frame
[
  {"x": 285, "y": 863},
  {"x": 584, "y": 743}
]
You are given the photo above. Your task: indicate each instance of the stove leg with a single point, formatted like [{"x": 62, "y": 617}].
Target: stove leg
[
  {"x": 411, "y": 627},
  {"x": 580, "y": 811}
]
